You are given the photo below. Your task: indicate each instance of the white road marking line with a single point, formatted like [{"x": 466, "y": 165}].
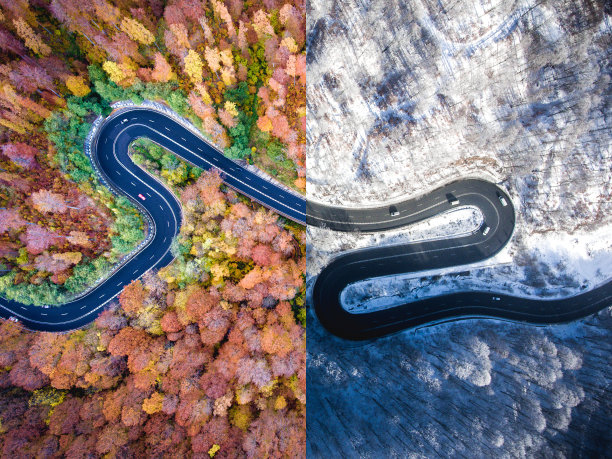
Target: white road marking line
[
  {"x": 64, "y": 314},
  {"x": 135, "y": 272},
  {"x": 161, "y": 207},
  {"x": 43, "y": 313},
  {"x": 132, "y": 183},
  {"x": 83, "y": 307},
  {"x": 215, "y": 159},
  {"x": 200, "y": 149},
  {"x": 118, "y": 173},
  {"x": 152, "y": 121},
  {"x": 119, "y": 284},
  {"x": 168, "y": 224},
  {"x": 101, "y": 296},
  {"x": 148, "y": 194},
  {"x": 166, "y": 128},
  {"x": 184, "y": 139}
]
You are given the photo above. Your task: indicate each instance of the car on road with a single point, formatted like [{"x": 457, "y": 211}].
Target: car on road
[
  {"x": 140, "y": 195},
  {"x": 496, "y": 298},
  {"x": 502, "y": 200},
  {"x": 13, "y": 319},
  {"x": 452, "y": 199},
  {"x": 124, "y": 120},
  {"x": 485, "y": 229},
  {"x": 393, "y": 211},
  {"x": 46, "y": 306}
]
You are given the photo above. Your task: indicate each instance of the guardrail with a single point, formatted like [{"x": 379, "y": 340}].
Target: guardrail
[
  {"x": 90, "y": 144},
  {"x": 187, "y": 124},
  {"x": 91, "y": 140}
]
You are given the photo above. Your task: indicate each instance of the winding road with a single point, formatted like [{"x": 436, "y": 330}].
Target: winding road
[
  {"x": 489, "y": 239},
  {"x": 163, "y": 214},
  {"x": 161, "y": 208}
]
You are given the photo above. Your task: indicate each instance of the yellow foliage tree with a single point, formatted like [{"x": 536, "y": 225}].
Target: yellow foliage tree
[
  {"x": 219, "y": 271},
  {"x": 231, "y": 108},
  {"x": 204, "y": 93},
  {"x": 213, "y": 58},
  {"x": 240, "y": 416},
  {"x": 290, "y": 44},
  {"x": 69, "y": 257},
  {"x": 153, "y": 404},
  {"x": 213, "y": 450},
  {"x": 193, "y": 66},
  {"x": 31, "y": 38},
  {"x": 114, "y": 71},
  {"x": 228, "y": 76},
  {"x": 13, "y": 126},
  {"x": 280, "y": 403},
  {"x": 226, "y": 57},
  {"x": 136, "y": 31},
  {"x": 77, "y": 86},
  {"x": 122, "y": 74}
]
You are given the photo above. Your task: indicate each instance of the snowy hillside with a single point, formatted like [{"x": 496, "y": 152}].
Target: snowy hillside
[{"x": 406, "y": 96}]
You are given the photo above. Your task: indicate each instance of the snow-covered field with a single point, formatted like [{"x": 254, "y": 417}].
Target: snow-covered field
[
  {"x": 497, "y": 96},
  {"x": 566, "y": 264},
  {"x": 326, "y": 243},
  {"x": 404, "y": 96}
]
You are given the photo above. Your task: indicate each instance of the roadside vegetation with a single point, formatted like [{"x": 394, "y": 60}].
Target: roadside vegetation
[
  {"x": 244, "y": 88},
  {"x": 206, "y": 357}
]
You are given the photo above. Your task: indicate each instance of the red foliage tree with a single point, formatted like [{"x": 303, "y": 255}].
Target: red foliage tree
[
  {"x": 10, "y": 220},
  {"x": 132, "y": 297},
  {"x": 21, "y": 154},
  {"x": 39, "y": 239}
]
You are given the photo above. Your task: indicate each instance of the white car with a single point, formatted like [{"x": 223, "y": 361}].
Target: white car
[
  {"x": 13, "y": 319},
  {"x": 502, "y": 200},
  {"x": 124, "y": 120},
  {"x": 141, "y": 196},
  {"x": 496, "y": 298},
  {"x": 485, "y": 229}
]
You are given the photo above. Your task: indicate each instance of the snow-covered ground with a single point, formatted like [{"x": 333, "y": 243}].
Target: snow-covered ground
[
  {"x": 566, "y": 264},
  {"x": 403, "y": 97},
  {"x": 326, "y": 244}
]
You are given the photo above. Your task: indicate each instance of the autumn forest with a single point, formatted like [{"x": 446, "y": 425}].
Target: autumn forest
[{"x": 206, "y": 356}]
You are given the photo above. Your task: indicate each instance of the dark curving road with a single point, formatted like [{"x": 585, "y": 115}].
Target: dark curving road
[
  {"x": 162, "y": 209},
  {"x": 163, "y": 214},
  {"x": 499, "y": 218}
]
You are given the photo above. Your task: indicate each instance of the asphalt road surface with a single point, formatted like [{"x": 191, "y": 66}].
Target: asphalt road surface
[
  {"x": 489, "y": 239},
  {"x": 164, "y": 215},
  {"x": 110, "y": 155}
]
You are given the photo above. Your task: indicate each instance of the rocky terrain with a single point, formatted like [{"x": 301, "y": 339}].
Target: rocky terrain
[{"x": 405, "y": 96}]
